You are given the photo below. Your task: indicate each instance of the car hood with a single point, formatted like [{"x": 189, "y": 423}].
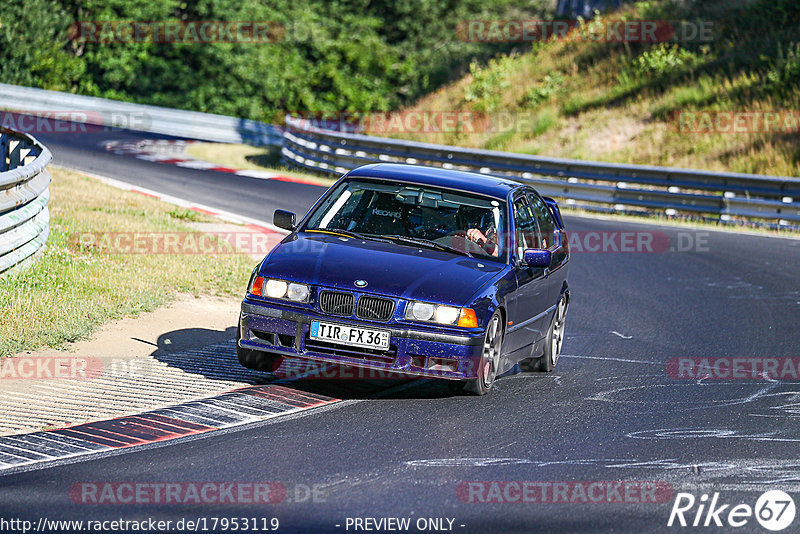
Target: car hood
[{"x": 388, "y": 268}]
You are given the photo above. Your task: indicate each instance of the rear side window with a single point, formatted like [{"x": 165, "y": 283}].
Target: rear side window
[{"x": 547, "y": 225}]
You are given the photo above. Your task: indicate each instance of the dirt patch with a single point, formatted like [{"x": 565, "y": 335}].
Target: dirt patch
[
  {"x": 177, "y": 353},
  {"x": 617, "y": 134},
  {"x": 208, "y": 318},
  {"x": 247, "y": 239}
]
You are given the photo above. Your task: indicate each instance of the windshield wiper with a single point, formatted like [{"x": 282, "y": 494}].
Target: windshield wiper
[
  {"x": 428, "y": 243},
  {"x": 347, "y": 233},
  {"x": 354, "y": 235}
]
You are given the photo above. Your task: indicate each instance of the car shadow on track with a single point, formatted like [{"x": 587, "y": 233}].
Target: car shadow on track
[
  {"x": 212, "y": 355},
  {"x": 187, "y": 339}
]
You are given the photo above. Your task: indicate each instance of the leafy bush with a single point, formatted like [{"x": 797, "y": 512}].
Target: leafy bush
[
  {"x": 488, "y": 83},
  {"x": 550, "y": 86},
  {"x": 184, "y": 214},
  {"x": 785, "y": 68},
  {"x": 661, "y": 61},
  {"x": 32, "y": 52},
  {"x": 344, "y": 56},
  {"x": 649, "y": 10}
]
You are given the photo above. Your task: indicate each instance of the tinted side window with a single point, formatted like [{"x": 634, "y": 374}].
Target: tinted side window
[
  {"x": 546, "y": 223},
  {"x": 527, "y": 231}
]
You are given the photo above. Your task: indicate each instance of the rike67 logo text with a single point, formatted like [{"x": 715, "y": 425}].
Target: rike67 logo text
[{"x": 774, "y": 510}]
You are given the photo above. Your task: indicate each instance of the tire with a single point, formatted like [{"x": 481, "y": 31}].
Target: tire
[
  {"x": 555, "y": 339},
  {"x": 255, "y": 359},
  {"x": 490, "y": 359}
]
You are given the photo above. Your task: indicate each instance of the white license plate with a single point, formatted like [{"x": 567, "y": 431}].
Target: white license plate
[{"x": 350, "y": 335}]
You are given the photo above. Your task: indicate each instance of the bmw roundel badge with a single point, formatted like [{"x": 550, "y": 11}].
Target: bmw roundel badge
[{"x": 360, "y": 283}]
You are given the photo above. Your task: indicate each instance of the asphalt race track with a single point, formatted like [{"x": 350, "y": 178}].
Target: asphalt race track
[
  {"x": 614, "y": 410},
  {"x": 246, "y": 196}
]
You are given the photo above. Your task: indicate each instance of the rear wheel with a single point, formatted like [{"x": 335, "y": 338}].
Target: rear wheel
[
  {"x": 490, "y": 359},
  {"x": 255, "y": 359},
  {"x": 555, "y": 338},
  {"x": 552, "y": 347}
]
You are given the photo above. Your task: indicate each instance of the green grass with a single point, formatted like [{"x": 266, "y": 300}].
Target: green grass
[
  {"x": 73, "y": 290},
  {"x": 183, "y": 214},
  {"x": 617, "y": 102}
]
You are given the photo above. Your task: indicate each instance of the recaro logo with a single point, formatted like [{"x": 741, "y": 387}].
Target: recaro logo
[
  {"x": 387, "y": 213},
  {"x": 774, "y": 510}
]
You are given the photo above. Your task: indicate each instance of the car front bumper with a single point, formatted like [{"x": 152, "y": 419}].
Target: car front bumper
[{"x": 284, "y": 331}]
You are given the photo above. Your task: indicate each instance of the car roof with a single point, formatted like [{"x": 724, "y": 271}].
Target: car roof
[{"x": 481, "y": 184}]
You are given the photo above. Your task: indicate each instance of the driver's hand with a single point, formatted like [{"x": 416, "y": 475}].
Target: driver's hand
[{"x": 475, "y": 235}]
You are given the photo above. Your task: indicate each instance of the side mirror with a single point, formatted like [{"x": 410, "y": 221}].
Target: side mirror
[
  {"x": 283, "y": 219},
  {"x": 535, "y": 257}
]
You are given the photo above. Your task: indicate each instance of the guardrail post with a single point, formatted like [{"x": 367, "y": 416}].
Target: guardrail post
[
  {"x": 3, "y": 152},
  {"x": 14, "y": 154}
]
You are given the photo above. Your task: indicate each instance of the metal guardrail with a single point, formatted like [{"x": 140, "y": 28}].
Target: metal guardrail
[
  {"x": 24, "y": 194},
  {"x": 590, "y": 185},
  {"x": 154, "y": 119}
]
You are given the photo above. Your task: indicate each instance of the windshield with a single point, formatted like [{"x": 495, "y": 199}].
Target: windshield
[{"x": 461, "y": 222}]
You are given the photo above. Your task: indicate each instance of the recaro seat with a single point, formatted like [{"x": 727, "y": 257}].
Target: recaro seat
[{"x": 385, "y": 216}]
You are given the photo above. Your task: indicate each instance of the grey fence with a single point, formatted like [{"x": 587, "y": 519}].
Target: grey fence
[
  {"x": 586, "y": 184},
  {"x": 154, "y": 119},
  {"x": 24, "y": 194}
]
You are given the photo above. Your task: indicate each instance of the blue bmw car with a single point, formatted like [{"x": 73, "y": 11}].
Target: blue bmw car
[{"x": 414, "y": 270}]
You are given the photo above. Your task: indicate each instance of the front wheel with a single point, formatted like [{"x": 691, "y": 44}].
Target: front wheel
[{"x": 490, "y": 358}]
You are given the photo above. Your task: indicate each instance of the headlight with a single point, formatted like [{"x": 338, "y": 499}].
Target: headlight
[
  {"x": 420, "y": 311},
  {"x": 446, "y": 315},
  {"x": 297, "y": 292},
  {"x": 279, "y": 289},
  {"x": 423, "y": 311},
  {"x": 276, "y": 289}
]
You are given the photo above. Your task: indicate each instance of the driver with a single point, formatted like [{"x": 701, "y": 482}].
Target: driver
[{"x": 485, "y": 238}]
